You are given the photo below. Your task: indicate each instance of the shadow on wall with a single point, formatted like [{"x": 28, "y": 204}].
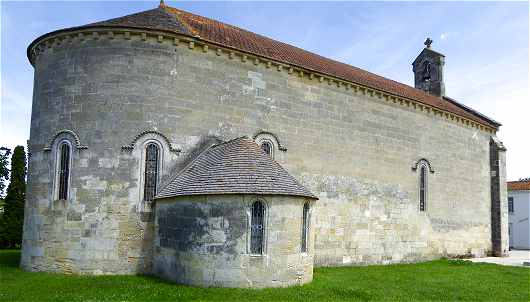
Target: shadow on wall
[
  {"x": 147, "y": 218},
  {"x": 187, "y": 156}
]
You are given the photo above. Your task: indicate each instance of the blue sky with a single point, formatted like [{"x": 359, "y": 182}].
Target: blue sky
[{"x": 486, "y": 46}]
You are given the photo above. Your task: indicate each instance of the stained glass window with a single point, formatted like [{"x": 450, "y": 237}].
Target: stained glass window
[
  {"x": 151, "y": 171},
  {"x": 64, "y": 170},
  {"x": 267, "y": 147},
  {"x": 423, "y": 188},
  {"x": 305, "y": 226}
]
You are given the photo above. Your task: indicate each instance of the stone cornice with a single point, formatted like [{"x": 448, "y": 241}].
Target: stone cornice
[{"x": 58, "y": 38}]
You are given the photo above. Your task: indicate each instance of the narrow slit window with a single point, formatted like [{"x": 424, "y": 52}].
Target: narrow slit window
[
  {"x": 64, "y": 170},
  {"x": 151, "y": 171},
  {"x": 257, "y": 228},
  {"x": 423, "y": 188},
  {"x": 305, "y": 227}
]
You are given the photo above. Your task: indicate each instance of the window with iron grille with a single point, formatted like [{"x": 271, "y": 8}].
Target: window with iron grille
[
  {"x": 260, "y": 92},
  {"x": 266, "y": 146},
  {"x": 64, "y": 170},
  {"x": 151, "y": 171},
  {"x": 423, "y": 187},
  {"x": 305, "y": 227},
  {"x": 257, "y": 227},
  {"x": 510, "y": 204}
]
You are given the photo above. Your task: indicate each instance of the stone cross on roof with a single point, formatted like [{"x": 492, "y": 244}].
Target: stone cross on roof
[{"x": 428, "y": 42}]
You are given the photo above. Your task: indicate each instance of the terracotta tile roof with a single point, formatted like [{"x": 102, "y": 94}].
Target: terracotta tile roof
[
  {"x": 165, "y": 18},
  {"x": 238, "y": 166},
  {"x": 157, "y": 18},
  {"x": 519, "y": 185}
]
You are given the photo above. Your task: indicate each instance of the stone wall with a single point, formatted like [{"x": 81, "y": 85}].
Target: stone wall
[
  {"x": 354, "y": 148},
  {"x": 205, "y": 241}
]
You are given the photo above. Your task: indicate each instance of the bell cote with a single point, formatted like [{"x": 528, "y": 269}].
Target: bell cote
[{"x": 428, "y": 71}]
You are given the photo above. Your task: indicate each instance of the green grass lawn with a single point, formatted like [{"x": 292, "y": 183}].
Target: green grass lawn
[{"x": 440, "y": 280}]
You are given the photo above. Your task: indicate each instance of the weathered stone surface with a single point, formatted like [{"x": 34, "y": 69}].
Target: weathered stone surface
[
  {"x": 205, "y": 241},
  {"x": 353, "y": 149}
]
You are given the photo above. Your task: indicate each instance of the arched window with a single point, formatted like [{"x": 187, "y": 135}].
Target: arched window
[
  {"x": 257, "y": 227},
  {"x": 305, "y": 227},
  {"x": 267, "y": 147},
  {"x": 63, "y": 170},
  {"x": 152, "y": 157},
  {"x": 269, "y": 143},
  {"x": 423, "y": 187}
]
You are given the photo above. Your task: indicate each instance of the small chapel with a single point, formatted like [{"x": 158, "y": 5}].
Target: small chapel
[{"x": 171, "y": 144}]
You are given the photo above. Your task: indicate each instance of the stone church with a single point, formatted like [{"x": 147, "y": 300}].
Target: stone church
[{"x": 168, "y": 143}]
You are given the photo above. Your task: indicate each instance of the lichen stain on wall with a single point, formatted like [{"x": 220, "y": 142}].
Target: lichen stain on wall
[{"x": 195, "y": 227}]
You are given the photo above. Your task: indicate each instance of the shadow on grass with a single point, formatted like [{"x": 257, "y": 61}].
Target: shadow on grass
[{"x": 10, "y": 258}]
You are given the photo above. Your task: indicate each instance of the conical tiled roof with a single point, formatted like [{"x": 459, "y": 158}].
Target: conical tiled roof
[
  {"x": 172, "y": 20},
  {"x": 238, "y": 166},
  {"x": 158, "y": 19}
]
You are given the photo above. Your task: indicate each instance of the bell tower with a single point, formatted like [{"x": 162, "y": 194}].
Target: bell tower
[{"x": 428, "y": 70}]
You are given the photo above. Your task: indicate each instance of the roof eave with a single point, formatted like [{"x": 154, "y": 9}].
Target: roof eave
[
  {"x": 493, "y": 122},
  {"x": 93, "y": 27},
  {"x": 235, "y": 193}
]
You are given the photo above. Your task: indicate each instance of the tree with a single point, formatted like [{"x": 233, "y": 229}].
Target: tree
[
  {"x": 12, "y": 219},
  {"x": 4, "y": 171}
]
